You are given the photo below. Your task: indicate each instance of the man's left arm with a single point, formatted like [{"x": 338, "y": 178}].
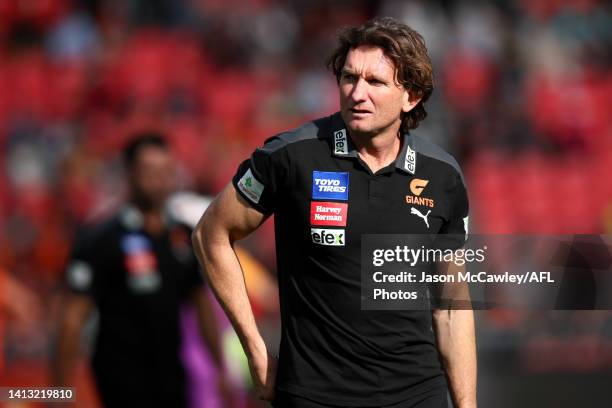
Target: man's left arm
[{"x": 455, "y": 335}]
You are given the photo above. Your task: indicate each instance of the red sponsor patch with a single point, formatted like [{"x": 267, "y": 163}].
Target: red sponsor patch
[
  {"x": 327, "y": 213},
  {"x": 141, "y": 263}
]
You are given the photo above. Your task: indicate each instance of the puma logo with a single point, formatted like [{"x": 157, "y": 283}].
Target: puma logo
[{"x": 419, "y": 214}]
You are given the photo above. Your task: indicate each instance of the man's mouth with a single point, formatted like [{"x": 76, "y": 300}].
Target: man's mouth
[{"x": 360, "y": 111}]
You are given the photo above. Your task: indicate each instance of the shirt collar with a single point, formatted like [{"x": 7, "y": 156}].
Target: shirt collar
[
  {"x": 132, "y": 219},
  {"x": 342, "y": 146},
  {"x": 406, "y": 159}
]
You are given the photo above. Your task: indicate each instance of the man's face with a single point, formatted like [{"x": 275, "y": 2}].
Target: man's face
[
  {"x": 152, "y": 177},
  {"x": 371, "y": 100}
]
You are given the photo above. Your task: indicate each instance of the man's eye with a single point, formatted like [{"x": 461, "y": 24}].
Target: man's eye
[
  {"x": 376, "y": 82},
  {"x": 348, "y": 77}
]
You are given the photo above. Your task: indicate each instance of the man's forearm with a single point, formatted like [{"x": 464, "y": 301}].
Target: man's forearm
[
  {"x": 226, "y": 278},
  {"x": 457, "y": 345},
  {"x": 63, "y": 361},
  {"x": 228, "y": 219},
  {"x": 75, "y": 311}
]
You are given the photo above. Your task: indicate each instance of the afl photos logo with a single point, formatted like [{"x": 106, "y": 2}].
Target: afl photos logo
[{"x": 416, "y": 188}]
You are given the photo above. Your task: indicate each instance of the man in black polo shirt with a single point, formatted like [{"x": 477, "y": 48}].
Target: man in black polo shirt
[
  {"x": 358, "y": 171},
  {"x": 136, "y": 269}
]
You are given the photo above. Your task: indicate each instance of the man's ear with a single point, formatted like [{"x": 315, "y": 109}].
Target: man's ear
[{"x": 407, "y": 103}]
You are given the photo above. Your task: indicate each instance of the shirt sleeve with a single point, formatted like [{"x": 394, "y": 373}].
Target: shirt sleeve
[
  {"x": 260, "y": 178},
  {"x": 80, "y": 274},
  {"x": 454, "y": 231}
]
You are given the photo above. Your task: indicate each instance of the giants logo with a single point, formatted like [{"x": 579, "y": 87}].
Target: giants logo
[{"x": 416, "y": 187}]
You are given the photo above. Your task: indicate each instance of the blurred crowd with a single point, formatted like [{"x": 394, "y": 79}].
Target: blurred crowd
[{"x": 523, "y": 99}]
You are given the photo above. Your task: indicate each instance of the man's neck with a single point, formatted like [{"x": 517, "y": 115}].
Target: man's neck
[
  {"x": 153, "y": 222},
  {"x": 152, "y": 219},
  {"x": 380, "y": 150}
]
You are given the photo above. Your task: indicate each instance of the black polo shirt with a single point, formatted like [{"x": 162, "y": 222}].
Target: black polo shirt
[
  {"x": 324, "y": 197},
  {"x": 138, "y": 283}
]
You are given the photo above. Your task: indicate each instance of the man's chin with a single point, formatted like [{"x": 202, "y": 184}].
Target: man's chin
[
  {"x": 360, "y": 130},
  {"x": 359, "y": 126},
  {"x": 151, "y": 203}
]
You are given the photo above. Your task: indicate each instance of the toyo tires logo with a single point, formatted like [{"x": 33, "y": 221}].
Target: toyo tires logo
[{"x": 330, "y": 185}]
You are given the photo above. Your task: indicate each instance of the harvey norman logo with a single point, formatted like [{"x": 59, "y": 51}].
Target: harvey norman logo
[
  {"x": 416, "y": 187},
  {"x": 340, "y": 142},
  {"x": 330, "y": 185},
  {"x": 327, "y": 213},
  {"x": 328, "y": 237}
]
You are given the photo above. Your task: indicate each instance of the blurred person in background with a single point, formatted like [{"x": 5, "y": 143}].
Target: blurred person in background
[
  {"x": 523, "y": 93},
  {"x": 137, "y": 269},
  {"x": 332, "y": 353}
]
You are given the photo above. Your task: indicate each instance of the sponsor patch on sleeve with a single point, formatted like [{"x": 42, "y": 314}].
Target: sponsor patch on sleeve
[
  {"x": 330, "y": 185},
  {"x": 80, "y": 275},
  {"x": 250, "y": 186}
]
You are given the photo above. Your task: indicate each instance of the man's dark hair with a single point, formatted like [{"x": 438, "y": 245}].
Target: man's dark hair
[
  {"x": 404, "y": 47},
  {"x": 139, "y": 141}
]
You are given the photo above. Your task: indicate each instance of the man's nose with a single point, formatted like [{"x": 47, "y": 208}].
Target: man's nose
[{"x": 359, "y": 92}]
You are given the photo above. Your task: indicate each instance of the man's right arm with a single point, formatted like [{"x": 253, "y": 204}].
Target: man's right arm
[
  {"x": 75, "y": 311},
  {"x": 228, "y": 219}
]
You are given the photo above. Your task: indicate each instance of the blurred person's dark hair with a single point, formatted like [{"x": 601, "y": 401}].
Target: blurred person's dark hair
[
  {"x": 140, "y": 140},
  {"x": 404, "y": 47}
]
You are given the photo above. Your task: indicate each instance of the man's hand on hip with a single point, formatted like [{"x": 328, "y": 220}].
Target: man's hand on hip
[{"x": 263, "y": 368}]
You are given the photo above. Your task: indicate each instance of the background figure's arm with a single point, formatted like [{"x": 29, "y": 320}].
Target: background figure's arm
[
  {"x": 455, "y": 335},
  {"x": 19, "y": 302},
  {"x": 211, "y": 333},
  {"x": 76, "y": 310},
  {"x": 208, "y": 326},
  {"x": 226, "y": 220}
]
